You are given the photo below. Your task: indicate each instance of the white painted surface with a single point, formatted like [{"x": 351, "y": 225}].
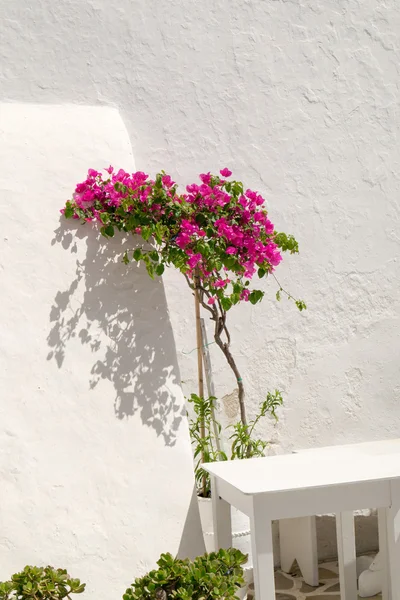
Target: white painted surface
[
  {"x": 393, "y": 541},
  {"x": 269, "y": 488},
  {"x": 298, "y": 542},
  {"x": 300, "y": 100},
  {"x": 298, "y": 537},
  {"x": 307, "y": 470},
  {"x": 95, "y": 462},
  {"x": 240, "y": 529},
  {"x": 346, "y": 555},
  {"x": 263, "y": 556},
  {"x": 365, "y": 449},
  {"x": 371, "y": 580}
]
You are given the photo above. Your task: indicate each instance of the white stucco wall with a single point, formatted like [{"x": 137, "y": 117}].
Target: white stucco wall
[
  {"x": 301, "y": 101},
  {"x": 95, "y": 461}
]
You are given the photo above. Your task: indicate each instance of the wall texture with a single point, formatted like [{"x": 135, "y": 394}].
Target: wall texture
[
  {"x": 301, "y": 101},
  {"x": 95, "y": 462}
]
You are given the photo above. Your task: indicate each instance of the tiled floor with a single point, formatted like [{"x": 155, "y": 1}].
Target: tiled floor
[{"x": 292, "y": 587}]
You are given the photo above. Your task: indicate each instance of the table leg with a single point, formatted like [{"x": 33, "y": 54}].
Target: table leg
[
  {"x": 221, "y": 518},
  {"x": 298, "y": 541},
  {"x": 346, "y": 555},
  {"x": 393, "y": 539},
  {"x": 383, "y": 551},
  {"x": 263, "y": 558}
]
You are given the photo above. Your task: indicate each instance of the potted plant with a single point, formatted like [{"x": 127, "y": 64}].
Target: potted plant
[
  {"x": 40, "y": 583},
  {"x": 216, "y": 576},
  {"x": 243, "y": 443},
  {"x": 219, "y": 236}
]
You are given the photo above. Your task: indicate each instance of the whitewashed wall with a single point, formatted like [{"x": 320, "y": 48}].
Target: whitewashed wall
[
  {"x": 299, "y": 100},
  {"x": 95, "y": 462}
]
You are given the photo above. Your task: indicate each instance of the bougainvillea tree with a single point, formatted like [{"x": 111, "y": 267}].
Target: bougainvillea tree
[{"x": 217, "y": 234}]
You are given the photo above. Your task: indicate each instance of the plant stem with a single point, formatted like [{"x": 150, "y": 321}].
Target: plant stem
[
  {"x": 210, "y": 384},
  {"x": 199, "y": 339},
  {"x": 231, "y": 362},
  {"x": 218, "y": 315}
]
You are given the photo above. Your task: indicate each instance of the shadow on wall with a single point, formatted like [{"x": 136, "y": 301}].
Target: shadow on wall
[{"x": 121, "y": 315}]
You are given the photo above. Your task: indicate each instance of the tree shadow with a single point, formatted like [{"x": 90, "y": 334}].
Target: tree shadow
[{"x": 121, "y": 315}]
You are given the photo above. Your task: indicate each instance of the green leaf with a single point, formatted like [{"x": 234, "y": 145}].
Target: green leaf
[
  {"x": 69, "y": 210},
  {"x": 229, "y": 261},
  {"x": 301, "y": 305},
  {"x": 146, "y": 233},
  {"x": 160, "y": 269},
  {"x": 132, "y": 222},
  {"x": 226, "y": 303},
  {"x": 109, "y": 231},
  {"x": 154, "y": 255},
  {"x": 125, "y": 258},
  {"x": 286, "y": 242},
  {"x": 256, "y": 296},
  {"x": 261, "y": 272},
  {"x": 278, "y": 295},
  {"x": 158, "y": 183},
  {"x": 137, "y": 255},
  {"x": 200, "y": 219},
  {"x": 150, "y": 269},
  {"x": 158, "y": 233},
  {"x": 237, "y": 288}
]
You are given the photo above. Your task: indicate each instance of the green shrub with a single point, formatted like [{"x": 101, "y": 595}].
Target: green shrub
[
  {"x": 40, "y": 583},
  {"x": 217, "y": 575}
]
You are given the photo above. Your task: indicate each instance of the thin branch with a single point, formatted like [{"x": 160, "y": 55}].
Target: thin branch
[
  {"x": 219, "y": 318},
  {"x": 281, "y": 289},
  {"x": 191, "y": 285}
]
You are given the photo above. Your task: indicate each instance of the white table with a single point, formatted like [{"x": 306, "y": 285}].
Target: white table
[
  {"x": 298, "y": 485},
  {"x": 298, "y": 537}
]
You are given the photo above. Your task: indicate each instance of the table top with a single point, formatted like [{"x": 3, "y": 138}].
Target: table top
[
  {"x": 324, "y": 467},
  {"x": 366, "y": 448}
]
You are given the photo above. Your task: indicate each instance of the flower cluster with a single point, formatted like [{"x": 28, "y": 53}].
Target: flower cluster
[{"x": 217, "y": 234}]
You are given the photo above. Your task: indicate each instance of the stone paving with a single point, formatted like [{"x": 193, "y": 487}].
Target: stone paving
[{"x": 292, "y": 587}]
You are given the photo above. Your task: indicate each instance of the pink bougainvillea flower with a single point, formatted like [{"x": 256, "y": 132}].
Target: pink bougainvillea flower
[
  {"x": 221, "y": 283},
  {"x": 122, "y": 175},
  {"x": 88, "y": 196},
  {"x": 196, "y": 230},
  {"x": 182, "y": 240},
  {"x": 167, "y": 181},
  {"x": 192, "y": 189},
  {"x": 194, "y": 260},
  {"x": 205, "y": 177}
]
